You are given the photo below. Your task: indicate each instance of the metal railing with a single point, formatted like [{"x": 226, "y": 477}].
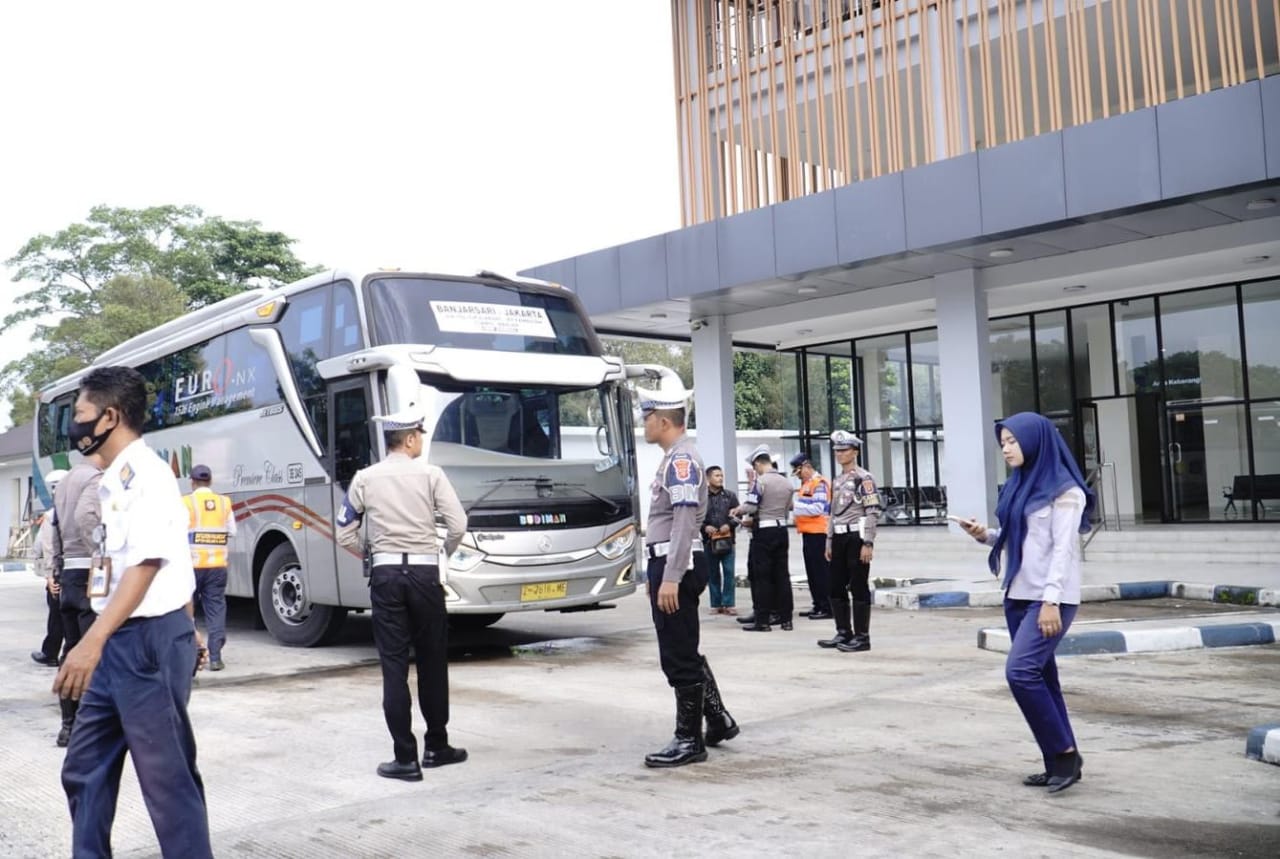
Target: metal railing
[{"x": 1094, "y": 480}]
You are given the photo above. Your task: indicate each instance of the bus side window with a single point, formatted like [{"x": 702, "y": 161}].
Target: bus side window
[
  {"x": 346, "y": 321},
  {"x": 352, "y": 446}
]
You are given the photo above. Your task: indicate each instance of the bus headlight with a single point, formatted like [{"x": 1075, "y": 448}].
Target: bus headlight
[
  {"x": 464, "y": 559},
  {"x": 618, "y": 543}
]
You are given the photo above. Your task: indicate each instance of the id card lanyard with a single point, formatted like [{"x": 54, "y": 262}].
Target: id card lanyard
[{"x": 100, "y": 564}]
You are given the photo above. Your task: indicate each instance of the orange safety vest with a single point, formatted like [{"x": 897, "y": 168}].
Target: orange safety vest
[
  {"x": 816, "y": 490},
  {"x": 208, "y": 514}
]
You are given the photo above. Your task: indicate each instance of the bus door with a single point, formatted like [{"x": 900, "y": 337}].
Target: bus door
[{"x": 348, "y": 448}]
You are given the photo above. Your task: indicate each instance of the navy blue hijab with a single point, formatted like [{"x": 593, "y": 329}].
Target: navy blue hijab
[{"x": 1048, "y": 470}]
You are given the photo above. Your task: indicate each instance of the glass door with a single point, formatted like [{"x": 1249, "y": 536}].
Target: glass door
[{"x": 1206, "y": 448}]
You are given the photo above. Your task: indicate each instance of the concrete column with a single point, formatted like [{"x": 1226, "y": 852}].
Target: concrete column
[
  {"x": 713, "y": 394},
  {"x": 969, "y": 457}
]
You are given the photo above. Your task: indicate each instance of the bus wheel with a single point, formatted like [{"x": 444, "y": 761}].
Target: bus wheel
[
  {"x": 473, "y": 621},
  {"x": 282, "y": 601}
]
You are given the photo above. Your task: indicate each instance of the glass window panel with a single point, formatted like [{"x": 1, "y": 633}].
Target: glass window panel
[
  {"x": 926, "y": 378},
  {"x": 1261, "y": 322},
  {"x": 1136, "y": 353},
  {"x": 346, "y": 320},
  {"x": 931, "y": 494},
  {"x": 766, "y": 390},
  {"x": 819, "y": 388},
  {"x": 302, "y": 327},
  {"x": 1051, "y": 362},
  {"x": 881, "y": 372},
  {"x": 1201, "y": 333},
  {"x": 1094, "y": 363},
  {"x": 1266, "y": 452},
  {"x": 887, "y": 455},
  {"x": 1012, "y": 384},
  {"x": 840, "y": 384}
]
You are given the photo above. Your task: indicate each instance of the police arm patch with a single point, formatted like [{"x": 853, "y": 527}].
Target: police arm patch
[
  {"x": 683, "y": 480},
  {"x": 348, "y": 514}
]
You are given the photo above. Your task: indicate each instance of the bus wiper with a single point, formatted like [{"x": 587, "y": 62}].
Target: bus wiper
[
  {"x": 613, "y": 505},
  {"x": 541, "y": 483}
]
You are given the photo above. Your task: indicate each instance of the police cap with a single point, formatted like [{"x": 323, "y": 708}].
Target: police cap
[
  {"x": 800, "y": 459},
  {"x": 405, "y": 419},
  {"x": 761, "y": 452},
  {"x": 844, "y": 440}
]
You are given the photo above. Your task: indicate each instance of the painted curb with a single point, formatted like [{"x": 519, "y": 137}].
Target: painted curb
[
  {"x": 1148, "y": 640},
  {"x": 1234, "y": 594},
  {"x": 1263, "y": 744}
]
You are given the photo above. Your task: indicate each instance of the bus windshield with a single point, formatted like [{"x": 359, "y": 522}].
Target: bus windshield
[{"x": 475, "y": 315}]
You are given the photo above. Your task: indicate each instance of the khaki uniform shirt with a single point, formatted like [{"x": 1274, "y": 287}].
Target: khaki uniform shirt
[
  {"x": 854, "y": 495},
  {"x": 79, "y": 510},
  {"x": 401, "y": 496},
  {"x": 677, "y": 506},
  {"x": 771, "y": 497}
]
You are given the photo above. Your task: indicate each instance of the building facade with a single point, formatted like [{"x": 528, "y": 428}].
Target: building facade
[{"x": 941, "y": 212}]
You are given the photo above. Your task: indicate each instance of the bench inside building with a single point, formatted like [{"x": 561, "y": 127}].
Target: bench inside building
[{"x": 1260, "y": 489}]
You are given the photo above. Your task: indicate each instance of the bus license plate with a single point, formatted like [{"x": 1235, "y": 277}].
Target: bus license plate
[{"x": 543, "y": 591}]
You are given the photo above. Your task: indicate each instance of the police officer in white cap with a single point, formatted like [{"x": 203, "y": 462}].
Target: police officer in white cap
[
  {"x": 767, "y": 504},
  {"x": 851, "y": 534},
  {"x": 400, "y": 497},
  {"x": 677, "y": 575}
]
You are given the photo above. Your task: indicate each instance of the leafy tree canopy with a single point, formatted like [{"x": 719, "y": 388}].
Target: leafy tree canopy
[{"x": 123, "y": 271}]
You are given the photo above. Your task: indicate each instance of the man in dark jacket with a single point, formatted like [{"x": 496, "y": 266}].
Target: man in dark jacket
[{"x": 718, "y": 533}]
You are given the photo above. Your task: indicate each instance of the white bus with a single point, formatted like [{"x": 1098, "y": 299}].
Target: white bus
[{"x": 273, "y": 389}]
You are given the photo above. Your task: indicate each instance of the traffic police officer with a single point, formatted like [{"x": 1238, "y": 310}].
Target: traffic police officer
[
  {"x": 812, "y": 509},
  {"x": 210, "y": 526},
  {"x": 132, "y": 670},
  {"x": 851, "y": 534},
  {"x": 77, "y": 511},
  {"x": 400, "y": 497},
  {"x": 767, "y": 504},
  {"x": 44, "y": 555},
  {"x": 677, "y": 574}
]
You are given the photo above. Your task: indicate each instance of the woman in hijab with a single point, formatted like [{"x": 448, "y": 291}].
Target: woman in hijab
[{"x": 1043, "y": 508}]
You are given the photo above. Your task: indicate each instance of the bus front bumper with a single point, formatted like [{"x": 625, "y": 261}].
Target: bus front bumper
[{"x": 497, "y": 588}]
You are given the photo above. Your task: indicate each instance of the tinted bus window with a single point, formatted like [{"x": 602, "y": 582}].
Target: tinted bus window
[
  {"x": 346, "y": 321},
  {"x": 471, "y": 315},
  {"x": 304, "y": 329}
]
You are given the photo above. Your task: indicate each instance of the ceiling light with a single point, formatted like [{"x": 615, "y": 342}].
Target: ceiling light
[
  {"x": 1001, "y": 253},
  {"x": 1075, "y": 287},
  {"x": 658, "y": 315},
  {"x": 803, "y": 331},
  {"x": 807, "y": 290},
  {"x": 1261, "y": 203},
  {"x": 1257, "y": 259}
]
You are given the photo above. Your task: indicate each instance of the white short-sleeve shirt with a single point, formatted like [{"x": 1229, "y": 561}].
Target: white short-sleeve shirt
[{"x": 143, "y": 517}]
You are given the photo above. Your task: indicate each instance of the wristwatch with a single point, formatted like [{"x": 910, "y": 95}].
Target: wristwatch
[{"x": 868, "y": 543}]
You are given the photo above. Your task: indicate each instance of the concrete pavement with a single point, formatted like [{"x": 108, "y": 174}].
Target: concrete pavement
[{"x": 912, "y": 749}]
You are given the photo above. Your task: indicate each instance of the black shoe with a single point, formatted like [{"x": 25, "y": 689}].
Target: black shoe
[
  {"x": 404, "y": 771},
  {"x": 775, "y": 618},
  {"x": 39, "y": 658},
  {"x": 443, "y": 757},
  {"x": 747, "y": 619},
  {"x": 217, "y": 665},
  {"x": 787, "y": 626},
  {"x": 1067, "y": 770},
  {"x": 758, "y": 627},
  {"x": 807, "y": 612},
  {"x": 64, "y": 736},
  {"x": 857, "y": 645},
  {"x": 820, "y": 614},
  {"x": 841, "y": 637},
  {"x": 686, "y": 746}
]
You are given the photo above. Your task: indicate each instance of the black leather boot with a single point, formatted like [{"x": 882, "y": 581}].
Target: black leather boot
[
  {"x": 686, "y": 746},
  {"x": 842, "y": 636},
  {"x": 720, "y": 725},
  {"x": 861, "y": 629}
]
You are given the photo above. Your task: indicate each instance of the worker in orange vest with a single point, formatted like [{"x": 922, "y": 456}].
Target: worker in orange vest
[
  {"x": 211, "y": 525},
  {"x": 812, "y": 507}
]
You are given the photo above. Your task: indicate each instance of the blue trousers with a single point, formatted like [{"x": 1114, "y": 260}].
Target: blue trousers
[
  {"x": 1032, "y": 673},
  {"x": 137, "y": 703},
  {"x": 211, "y": 596},
  {"x": 721, "y": 579}
]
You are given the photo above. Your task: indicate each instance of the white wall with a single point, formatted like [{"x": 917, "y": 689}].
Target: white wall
[{"x": 14, "y": 478}]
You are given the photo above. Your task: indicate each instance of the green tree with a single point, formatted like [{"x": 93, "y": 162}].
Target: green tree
[{"x": 123, "y": 271}]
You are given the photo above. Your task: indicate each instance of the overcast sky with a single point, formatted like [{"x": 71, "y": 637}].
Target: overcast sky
[{"x": 450, "y": 135}]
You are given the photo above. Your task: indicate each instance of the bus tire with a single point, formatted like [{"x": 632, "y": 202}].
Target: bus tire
[
  {"x": 282, "y": 603},
  {"x": 474, "y": 621}
]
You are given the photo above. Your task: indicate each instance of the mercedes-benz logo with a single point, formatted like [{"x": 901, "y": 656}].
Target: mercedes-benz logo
[{"x": 544, "y": 544}]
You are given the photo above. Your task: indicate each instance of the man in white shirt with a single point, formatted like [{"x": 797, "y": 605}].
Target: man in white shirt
[{"x": 132, "y": 670}]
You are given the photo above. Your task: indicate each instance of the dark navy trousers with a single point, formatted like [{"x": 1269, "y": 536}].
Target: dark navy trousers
[
  {"x": 137, "y": 703},
  {"x": 211, "y": 596},
  {"x": 1032, "y": 673},
  {"x": 679, "y": 632},
  {"x": 817, "y": 570}
]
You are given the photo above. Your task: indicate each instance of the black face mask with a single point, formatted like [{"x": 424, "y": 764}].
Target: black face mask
[{"x": 83, "y": 437}]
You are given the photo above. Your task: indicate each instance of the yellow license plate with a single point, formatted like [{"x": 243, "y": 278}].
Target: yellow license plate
[{"x": 543, "y": 591}]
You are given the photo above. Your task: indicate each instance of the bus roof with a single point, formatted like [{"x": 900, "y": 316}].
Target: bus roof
[{"x": 234, "y": 312}]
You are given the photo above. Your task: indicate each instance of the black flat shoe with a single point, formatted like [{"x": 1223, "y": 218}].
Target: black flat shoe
[
  {"x": 788, "y": 625},
  {"x": 1042, "y": 779},
  {"x": 820, "y": 615},
  {"x": 40, "y": 659},
  {"x": 443, "y": 757},
  {"x": 840, "y": 638},
  {"x": 747, "y": 619},
  {"x": 1068, "y": 769},
  {"x": 758, "y": 627},
  {"x": 404, "y": 772}
]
